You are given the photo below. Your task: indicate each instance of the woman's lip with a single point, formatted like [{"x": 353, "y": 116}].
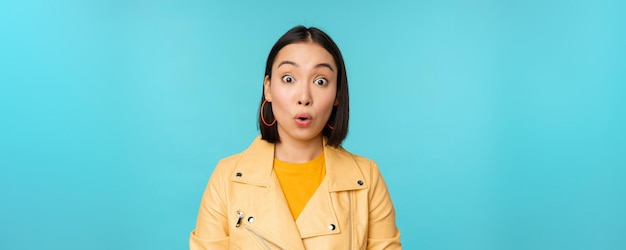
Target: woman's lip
[
  {"x": 303, "y": 123},
  {"x": 303, "y": 119},
  {"x": 303, "y": 115}
]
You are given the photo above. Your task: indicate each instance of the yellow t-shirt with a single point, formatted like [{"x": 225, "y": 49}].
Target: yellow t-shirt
[{"x": 299, "y": 181}]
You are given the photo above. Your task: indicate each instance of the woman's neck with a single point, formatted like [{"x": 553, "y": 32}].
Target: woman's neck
[{"x": 296, "y": 151}]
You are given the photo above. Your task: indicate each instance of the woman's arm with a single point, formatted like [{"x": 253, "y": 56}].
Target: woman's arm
[
  {"x": 383, "y": 232},
  {"x": 211, "y": 230}
]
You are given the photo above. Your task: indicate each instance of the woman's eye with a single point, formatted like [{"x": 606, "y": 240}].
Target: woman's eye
[
  {"x": 288, "y": 79},
  {"x": 321, "y": 81}
]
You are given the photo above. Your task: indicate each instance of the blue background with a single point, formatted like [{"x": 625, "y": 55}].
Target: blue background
[{"x": 497, "y": 124}]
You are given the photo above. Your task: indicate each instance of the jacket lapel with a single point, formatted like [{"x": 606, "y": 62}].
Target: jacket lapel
[
  {"x": 264, "y": 197},
  {"x": 266, "y": 202},
  {"x": 319, "y": 216}
]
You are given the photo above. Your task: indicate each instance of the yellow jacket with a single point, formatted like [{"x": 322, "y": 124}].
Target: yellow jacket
[{"x": 243, "y": 206}]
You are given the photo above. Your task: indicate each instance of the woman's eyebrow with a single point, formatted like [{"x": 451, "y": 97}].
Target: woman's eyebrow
[
  {"x": 321, "y": 65},
  {"x": 325, "y": 65},
  {"x": 287, "y": 62}
]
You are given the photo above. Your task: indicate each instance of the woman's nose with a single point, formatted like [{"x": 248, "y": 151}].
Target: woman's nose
[
  {"x": 305, "y": 96},
  {"x": 305, "y": 103}
]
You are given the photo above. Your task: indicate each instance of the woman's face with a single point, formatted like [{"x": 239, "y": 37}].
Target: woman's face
[{"x": 302, "y": 90}]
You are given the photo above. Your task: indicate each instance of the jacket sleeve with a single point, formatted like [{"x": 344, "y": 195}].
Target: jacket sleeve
[
  {"x": 211, "y": 230},
  {"x": 383, "y": 232}
]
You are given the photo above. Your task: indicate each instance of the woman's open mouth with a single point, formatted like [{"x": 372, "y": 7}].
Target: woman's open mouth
[{"x": 303, "y": 120}]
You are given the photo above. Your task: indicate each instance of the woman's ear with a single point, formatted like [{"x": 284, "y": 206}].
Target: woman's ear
[{"x": 266, "y": 89}]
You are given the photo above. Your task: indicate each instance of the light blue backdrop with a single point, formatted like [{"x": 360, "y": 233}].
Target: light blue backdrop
[{"x": 497, "y": 124}]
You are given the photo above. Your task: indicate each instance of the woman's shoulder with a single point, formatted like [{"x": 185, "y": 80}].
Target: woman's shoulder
[
  {"x": 359, "y": 158},
  {"x": 365, "y": 164},
  {"x": 258, "y": 152},
  {"x": 351, "y": 170},
  {"x": 230, "y": 160}
]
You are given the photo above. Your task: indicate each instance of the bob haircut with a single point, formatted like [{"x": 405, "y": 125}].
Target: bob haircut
[{"x": 338, "y": 119}]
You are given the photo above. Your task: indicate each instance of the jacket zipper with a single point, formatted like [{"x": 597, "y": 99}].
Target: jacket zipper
[
  {"x": 262, "y": 239},
  {"x": 350, "y": 213},
  {"x": 239, "y": 217}
]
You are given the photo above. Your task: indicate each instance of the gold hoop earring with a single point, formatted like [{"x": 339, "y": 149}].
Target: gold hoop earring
[{"x": 262, "y": 116}]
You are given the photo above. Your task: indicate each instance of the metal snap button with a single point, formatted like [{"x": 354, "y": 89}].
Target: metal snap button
[
  {"x": 331, "y": 227},
  {"x": 238, "y": 174},
  {"x": 250, "y": 219},
  {"x": 360, "y": 182}
]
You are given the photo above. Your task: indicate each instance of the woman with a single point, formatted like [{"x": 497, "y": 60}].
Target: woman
[{"x": 295, "y": 187}]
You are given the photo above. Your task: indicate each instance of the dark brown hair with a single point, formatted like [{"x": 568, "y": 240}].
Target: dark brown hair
[{"x": 340, "y": 114}]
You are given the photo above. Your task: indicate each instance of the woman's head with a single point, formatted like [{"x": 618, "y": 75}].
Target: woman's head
[{"x": 305, "y": 89}]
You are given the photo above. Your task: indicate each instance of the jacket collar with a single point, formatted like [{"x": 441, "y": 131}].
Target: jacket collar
[{"x": 256, "y": 164}]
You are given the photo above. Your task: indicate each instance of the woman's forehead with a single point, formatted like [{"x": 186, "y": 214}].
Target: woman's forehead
[{"x": 304, "y": 55}]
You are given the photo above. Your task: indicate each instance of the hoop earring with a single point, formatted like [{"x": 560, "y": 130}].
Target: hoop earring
[
  {"x": 329, "y": 126},
  {"x": 263, "y": 119}
]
